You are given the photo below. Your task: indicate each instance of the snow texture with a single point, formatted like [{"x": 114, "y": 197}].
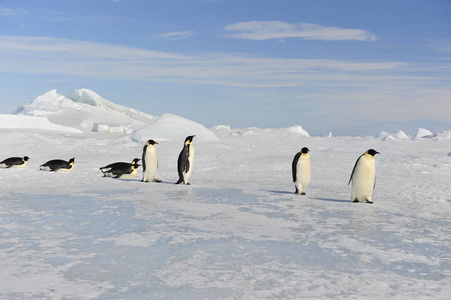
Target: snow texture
[
  {"x": 32, "y": 122},
  {"x": 172, "y": 127},
  {"x": 422, "y": 133},
  {"x": 237, "y": 232},
  {"x": 85, "y": 110}
]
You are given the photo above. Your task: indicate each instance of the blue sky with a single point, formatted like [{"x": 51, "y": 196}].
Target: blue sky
[{"x": 350, "y": 67}]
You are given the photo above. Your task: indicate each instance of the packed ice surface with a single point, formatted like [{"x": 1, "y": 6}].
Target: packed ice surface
[{"x": 237, "y": 232}]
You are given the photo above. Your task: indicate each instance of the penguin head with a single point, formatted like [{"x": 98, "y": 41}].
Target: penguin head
[
  {"x": 72, "y": 161},
  {"x": 189, "y": 139},
  {"x": 135, "y": 161},
  {"x": 135, "y": 166},
  {"x": 25, "y": 158},
  {"x": 151, "y": 142},
  {"x": 305, "y": 150},
  {"x": 372, "y": 152}
]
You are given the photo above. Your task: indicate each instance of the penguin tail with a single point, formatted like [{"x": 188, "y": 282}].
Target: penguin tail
[{"x": 179, "y": 181}]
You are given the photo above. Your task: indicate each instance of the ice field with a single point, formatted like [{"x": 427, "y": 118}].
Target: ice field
[{"x": 237, "y": 232}]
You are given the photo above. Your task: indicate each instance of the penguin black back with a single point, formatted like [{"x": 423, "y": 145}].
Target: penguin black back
[
  {"x": 13, "y": 162},
  {"x": 185, "y": 160}
]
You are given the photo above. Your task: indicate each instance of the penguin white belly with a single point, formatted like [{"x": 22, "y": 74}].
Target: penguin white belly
[
  {"x": 363, "y": 180},
  {"x": 187, "y": 175},
  {"x": 131, "y": 175},
  {"x": 151, "y": 164},
  {"x": 303, "y": 173},
  {"x": 20, "y": 166}
]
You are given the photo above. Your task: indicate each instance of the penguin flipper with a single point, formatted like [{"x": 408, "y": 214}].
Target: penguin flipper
[
  {"x": 143, "y": 158},
  {"x": 355, "y": 165},
  {"x": 294, "y": 164},
  {"x": 118, "y": 174}
]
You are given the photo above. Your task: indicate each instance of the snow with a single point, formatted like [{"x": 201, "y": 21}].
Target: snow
[
  {"x": 32, "y": 122},
  {"x": 422, "y": 133},
  {"x": 400, "y": 135},
  {"x": 172, "y": 127},
  {"x": 90, "y": 97},
  {"x": 86, "y": 111},
  {"x": 237, "y": 232}
]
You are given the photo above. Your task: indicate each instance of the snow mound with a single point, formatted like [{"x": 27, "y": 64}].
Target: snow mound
[
  {"x": 48, "y": 103},
  {"x": 400, "y": 135},
  {"x": 32, "y": 122},
  {"x": 85, "y": 110},
  {"x": 172, "y": 127},
  {"x": 297, "y": 129},
  {"x": 423, "y": 133},
  {"x": 90, "y": 97},
  {"x": 444, "y": 135}
]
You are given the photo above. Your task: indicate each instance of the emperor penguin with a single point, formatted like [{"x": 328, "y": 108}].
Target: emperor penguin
[
  {"x": 363, "y": 177},
  {"x": 121, "y": 169},
  {"x": 301, "y": 171},
  {"x": 185, "y": 161},
  {"x": 15, "y": 162},
  {"x": 150, "y": 162},
  {"x": 58, "y": 165}
]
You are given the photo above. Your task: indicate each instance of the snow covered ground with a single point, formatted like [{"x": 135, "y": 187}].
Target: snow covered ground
[{"x": 237, "y": 232}]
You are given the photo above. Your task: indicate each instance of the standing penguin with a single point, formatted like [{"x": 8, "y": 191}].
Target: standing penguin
[
  {"x": 363, "y": 177},
  {"x": 185, "y": 161},
  {"x": 150, "y": 162},
  {"x": 121, "y": 169},
  {"x": 14, "y": 162},
  {"x": 301, "y": 170},
  {"x": 58, "y": 165}
]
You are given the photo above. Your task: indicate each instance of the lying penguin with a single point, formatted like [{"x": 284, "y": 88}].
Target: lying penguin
[
  {"x": 58, "y": 165},
  {"x": 15, "y": 162},
  {"x": 121, "y": 169}
]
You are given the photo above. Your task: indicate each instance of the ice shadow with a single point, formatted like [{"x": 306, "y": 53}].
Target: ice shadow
[
  {"x": 332, "y": 200},
  {"x": 282, "y": 192}
]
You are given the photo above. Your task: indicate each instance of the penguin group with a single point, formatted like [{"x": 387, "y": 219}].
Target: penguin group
[
  {"x": 122, "y": 170},
  {"x": 363, "y": 175}
]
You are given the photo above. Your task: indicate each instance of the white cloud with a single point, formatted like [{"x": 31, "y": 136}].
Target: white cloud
[
  {"x": 5, "y": 11},
  {"x": 335, "y": 90},
  {"x": 174, "y": 35},
  {"x": 256, "y": 30},
  {"x": 336, "y": 87}
]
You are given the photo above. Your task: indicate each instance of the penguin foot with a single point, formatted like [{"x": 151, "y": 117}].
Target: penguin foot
[
  {"x": 303, "y": 193},
  {"x": 156, "y": 180},
  {"x": 369, "y": 201},
  {"x": 355, "y": 201},
  {"x": 188, "y": 183}
]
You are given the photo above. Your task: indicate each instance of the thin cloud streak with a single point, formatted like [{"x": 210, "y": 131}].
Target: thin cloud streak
[
  {"x": 257, "y": 30},
  {"x": 174, "y": 35},
  {"x": 382, "y": 89},
  {"x": 69, "y": 57}
]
